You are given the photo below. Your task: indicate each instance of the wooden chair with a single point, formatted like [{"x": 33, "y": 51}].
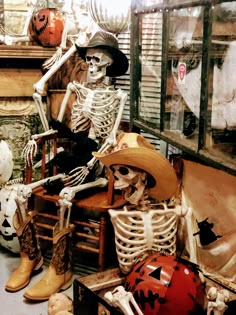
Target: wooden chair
[{"x": 89, "y": 213}]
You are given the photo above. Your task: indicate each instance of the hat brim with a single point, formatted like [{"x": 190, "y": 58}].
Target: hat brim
[
  {"x": 151, "y": 162},
  {"x": 120, "y": 63}
]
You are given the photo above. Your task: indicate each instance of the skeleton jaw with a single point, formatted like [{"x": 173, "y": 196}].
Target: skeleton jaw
[
  {"x": 133, "y": 194},
  {"x": 132, "y": 181},
  {"x": 95, "y": 73}
]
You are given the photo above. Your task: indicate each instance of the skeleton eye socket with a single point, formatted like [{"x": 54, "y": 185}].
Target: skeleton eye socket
[
  {"x": 122, "y": 170},
  {"x": 92, "y": 58}
]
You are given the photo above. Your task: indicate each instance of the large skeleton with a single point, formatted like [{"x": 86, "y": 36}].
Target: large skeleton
[{"x": 97, "y": 110}]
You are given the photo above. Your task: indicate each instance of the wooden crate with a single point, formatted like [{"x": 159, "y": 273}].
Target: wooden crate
[{"x": 89, "y": 291}]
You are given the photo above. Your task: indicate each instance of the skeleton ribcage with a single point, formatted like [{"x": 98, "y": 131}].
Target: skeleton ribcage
[
  {"x": 94, "y": 108},
  {"x": 137, "y": 233}
]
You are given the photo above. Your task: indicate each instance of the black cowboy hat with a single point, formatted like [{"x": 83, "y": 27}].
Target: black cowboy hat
[{"x": 109, "y": 42}]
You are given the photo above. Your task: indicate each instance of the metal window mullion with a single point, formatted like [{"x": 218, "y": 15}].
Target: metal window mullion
[
  {"x": 206, "y": 46},
  {"x": 135, "y": 66},
  {"x": 164, "y": 65}
]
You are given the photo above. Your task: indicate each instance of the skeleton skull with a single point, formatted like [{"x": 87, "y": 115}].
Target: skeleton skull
[
  {"x": 97, "y": 60},
  {"x": 130, "y": 179}
]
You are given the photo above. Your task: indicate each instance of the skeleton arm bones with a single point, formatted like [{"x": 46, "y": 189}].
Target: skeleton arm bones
[
  {"x": 80, "y": 173},
  {"x": 30, "y": 149},
  {"x": 68, "y": 193},
  {"x": 25, "y": 191}
]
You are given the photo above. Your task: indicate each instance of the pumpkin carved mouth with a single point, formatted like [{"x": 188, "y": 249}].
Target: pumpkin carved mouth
[{"x": 8, "y": 237}]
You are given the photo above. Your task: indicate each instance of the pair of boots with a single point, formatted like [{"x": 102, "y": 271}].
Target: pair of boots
[{"x": 59, "y": 274}]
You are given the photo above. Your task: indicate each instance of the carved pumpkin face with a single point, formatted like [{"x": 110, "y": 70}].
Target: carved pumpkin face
[
  {"x": 8, "y": 237},
  {"x": 46, "y": 27},
  {"x": 165, "y": 285},
  {"x": 6, "y": 162}
]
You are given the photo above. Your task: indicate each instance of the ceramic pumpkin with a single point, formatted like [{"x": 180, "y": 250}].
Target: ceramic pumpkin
[
  {"x": 165, "y": 285},
  {"x": 8, "y": 237},
  {"x": 46, "y": 27},
  {"x": 6, "y": 162}
]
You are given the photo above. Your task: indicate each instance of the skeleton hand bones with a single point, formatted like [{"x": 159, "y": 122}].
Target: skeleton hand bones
[
  {"x": 217, "y": 299},
  {"x": 122, "y": 299}
]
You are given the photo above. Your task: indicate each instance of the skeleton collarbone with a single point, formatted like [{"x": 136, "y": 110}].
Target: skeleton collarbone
[
  {"x": 137, "y": 233},
  {"x": 95, "y": 107}
]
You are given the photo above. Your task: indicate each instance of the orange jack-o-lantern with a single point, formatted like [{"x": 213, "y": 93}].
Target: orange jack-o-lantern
[
  {"x": 46, "y": 27},
  {"x": 166, "y": 285}
]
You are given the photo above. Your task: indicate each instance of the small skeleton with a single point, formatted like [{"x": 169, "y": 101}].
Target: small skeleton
[
  {"x": 97, "y": 110},
  {"x": 141, "y": 228},
  {"x": 217, "y": 299}
]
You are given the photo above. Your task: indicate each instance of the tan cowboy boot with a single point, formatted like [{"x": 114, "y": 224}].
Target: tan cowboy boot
[
  {"x": 59, "y": 274},
  {"x": 31, "y": 259}
]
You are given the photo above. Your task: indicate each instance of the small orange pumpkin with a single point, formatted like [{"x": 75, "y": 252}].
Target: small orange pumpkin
[{"x": 46, "y": 27}]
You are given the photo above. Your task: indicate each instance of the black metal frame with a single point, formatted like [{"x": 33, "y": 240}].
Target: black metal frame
[{"x": 136, "y": 122}]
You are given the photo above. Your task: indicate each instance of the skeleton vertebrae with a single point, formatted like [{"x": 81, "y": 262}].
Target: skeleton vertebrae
[
  {"x": 94, "y": 108},
  {"x": 137, "y": 233}
]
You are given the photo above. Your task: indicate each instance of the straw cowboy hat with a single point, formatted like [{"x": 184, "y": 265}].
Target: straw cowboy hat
[
  {"x": 109, "y": 42},
  {"x": 134, "y": 150}
]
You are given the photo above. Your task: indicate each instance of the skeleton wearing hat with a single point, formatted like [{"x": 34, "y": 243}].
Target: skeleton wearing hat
[
  {"x": 146, "y": 225},
  {"x": 148, "y": 180},
  {"x": 98, "y": 107},
  {"x": 97, "y": 112}
]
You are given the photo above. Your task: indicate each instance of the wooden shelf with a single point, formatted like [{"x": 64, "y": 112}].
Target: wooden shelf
[{"x": 26, "y": 52}]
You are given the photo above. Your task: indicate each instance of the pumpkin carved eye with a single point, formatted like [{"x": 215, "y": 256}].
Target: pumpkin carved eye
[
  {"x": 46, "y": 27},
  {"x": 164, "y": 285}
]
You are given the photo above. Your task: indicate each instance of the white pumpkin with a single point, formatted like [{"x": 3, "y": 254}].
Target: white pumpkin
[
  {"x": 8, "y": 237},
  {"x": 6, "y": 162}
]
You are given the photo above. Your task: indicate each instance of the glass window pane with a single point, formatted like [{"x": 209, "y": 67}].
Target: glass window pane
[
  {"x": 184, "y": 74},
  {"x": 222, "y": 94},
  {"x": 150, "y": 84}
]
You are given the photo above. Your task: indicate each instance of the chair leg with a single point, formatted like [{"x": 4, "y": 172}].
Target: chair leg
[{"x": 102, "y": 242}]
